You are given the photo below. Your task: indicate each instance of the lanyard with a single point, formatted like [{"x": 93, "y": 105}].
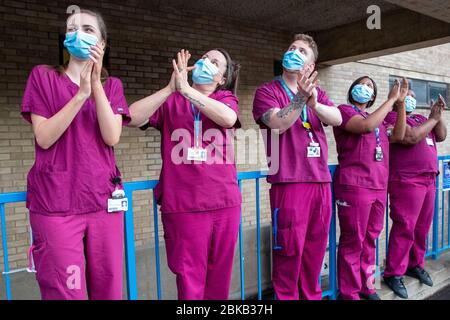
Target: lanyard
[
  {"x": 377, "y": 130},
  {"x": 196, "y": 126},
  {"x": 377, "y": 135},
  {"x": 304, "y": 114}
]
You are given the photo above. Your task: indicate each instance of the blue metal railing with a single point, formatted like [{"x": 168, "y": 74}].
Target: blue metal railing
[
  {"x": 130, "y": 256},
  {"x": 7, "y": 198},
  {"x": 438, "y": 229},
  {"x": 436, "y": 248}
]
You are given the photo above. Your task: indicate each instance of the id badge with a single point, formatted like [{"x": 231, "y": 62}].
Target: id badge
[
  {"x": 117, "y": 205},
  {"x": 313, "y": 150},
  {"x": 430, "y": 141},
  {"x": 378, "y": 154},
  {"x": 196, "y": 154}
]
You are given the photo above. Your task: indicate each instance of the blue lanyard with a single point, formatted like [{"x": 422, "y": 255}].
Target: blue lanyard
[
  {"x": 377, "y": 130},
  {"x": 377, "y": 135},
  {"x": 196, "y": 125},
  {"x": 196, "y": 115},
  {"x": 291, "y": 97}
]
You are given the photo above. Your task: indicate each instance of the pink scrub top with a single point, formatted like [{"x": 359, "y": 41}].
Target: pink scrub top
[
  {"x": 356, "y": 154},
  {"x": 293, "y": 165},
  {"x": 185, "y": 185},
  {"x": 411, "y": 161},
  {"x": 74, "y": 175}
]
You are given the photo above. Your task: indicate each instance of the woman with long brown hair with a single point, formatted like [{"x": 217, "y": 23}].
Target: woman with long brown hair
[{"x": 77, "y": 117}]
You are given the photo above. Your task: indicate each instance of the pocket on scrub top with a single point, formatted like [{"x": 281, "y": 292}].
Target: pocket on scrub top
[{"x": 50, "y": 192}]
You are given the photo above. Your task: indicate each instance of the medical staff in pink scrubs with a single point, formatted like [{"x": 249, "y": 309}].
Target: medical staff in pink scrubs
[
  {"x": 198, "y": 190},
  {"x": 360, "y": 182},
  {"x": 412, "y": 191},
  {"x": 77, "y": 117},
  {"x": 293, "y": 109}
]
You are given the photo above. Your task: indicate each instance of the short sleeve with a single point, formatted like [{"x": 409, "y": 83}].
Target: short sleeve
[
  {"x": 264, "y": 100},
  {"x": 229, "y": 99},
  {"x": 391, "y": 118},
  {"x": 118, "y": 101},
  {"x": 323, "y": 98},
  {"x": 35, "y": 99},
  {"x": 347, "y": 113}
]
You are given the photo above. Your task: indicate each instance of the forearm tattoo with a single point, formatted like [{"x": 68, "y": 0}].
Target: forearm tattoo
[
  {"x": 297, "y": 103},
  {"x": 266, "y": 117},
  {"x": 196, "y": 102}
]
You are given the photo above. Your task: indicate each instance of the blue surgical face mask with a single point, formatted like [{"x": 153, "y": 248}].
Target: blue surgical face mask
[
  {"x": 294, "y": 60},
  {"x": 410, "y": 103},
  {"x": 204, "y": 72},
  {"x": 362, "y": 93},
  {"x": 78, "y": 44}
]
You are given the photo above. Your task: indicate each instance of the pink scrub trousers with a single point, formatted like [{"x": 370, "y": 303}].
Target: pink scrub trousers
[
  {"x": 200, "y": 250},
  {"x": 301, "y": 214},
  {"x": 361, "y": 220},
  {"x": 412, "y": 208},
  {"x": 79, "y": 256}
]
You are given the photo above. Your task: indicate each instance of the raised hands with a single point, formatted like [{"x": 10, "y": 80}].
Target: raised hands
[
  {"x": 85, "y": 80},
  {"x": 179, "y": 80},
  {"x": 97, "y": 54},
  {"x": 437, "y": 108},
  {"x": 399, "y": 90},
  {"x": 394, "y": 94},
  {"x": 404, "y": 88},
  {"x": 307, "y": 87}
]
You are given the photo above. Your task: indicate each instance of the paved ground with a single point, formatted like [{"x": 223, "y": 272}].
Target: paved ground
[
  {"x": 443, "y": 294},
  {"x": 440, "y": 273},
  {"x": 24, "y": 286}
]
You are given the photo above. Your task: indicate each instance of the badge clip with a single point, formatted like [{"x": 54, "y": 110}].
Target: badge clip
[
  {"x": 118, "y": 201},
  {"x": 378, "y": 154}
]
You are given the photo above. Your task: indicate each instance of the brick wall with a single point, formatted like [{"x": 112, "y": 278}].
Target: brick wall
[{"x": 143, "y": 40}]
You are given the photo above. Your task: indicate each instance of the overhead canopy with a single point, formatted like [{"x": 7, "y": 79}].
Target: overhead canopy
[{"x": 338, "y": 26}]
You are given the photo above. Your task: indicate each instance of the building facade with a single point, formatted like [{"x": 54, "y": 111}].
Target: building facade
[{"x": 141, "y": 46}]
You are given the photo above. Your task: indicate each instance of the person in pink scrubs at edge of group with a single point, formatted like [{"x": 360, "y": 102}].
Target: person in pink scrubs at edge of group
[
  {"x": 77, "y": 113},
  {"x": 361, "y": 179},
  {"x": 197, "y": 190},
  {"x": 412, "y": 191},
  {"x": 293, "y": 109}
]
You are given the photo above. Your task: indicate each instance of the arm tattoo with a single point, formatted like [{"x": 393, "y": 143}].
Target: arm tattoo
[
  {"x": 297, "y": 103},
  {"x": 198, "y": 103},
  {"x": 265, "y": 118}
]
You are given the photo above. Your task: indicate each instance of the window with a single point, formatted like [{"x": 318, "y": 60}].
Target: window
[
  {"x": 437, "y": 89},
  {"x": 425, "y": 90}
]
